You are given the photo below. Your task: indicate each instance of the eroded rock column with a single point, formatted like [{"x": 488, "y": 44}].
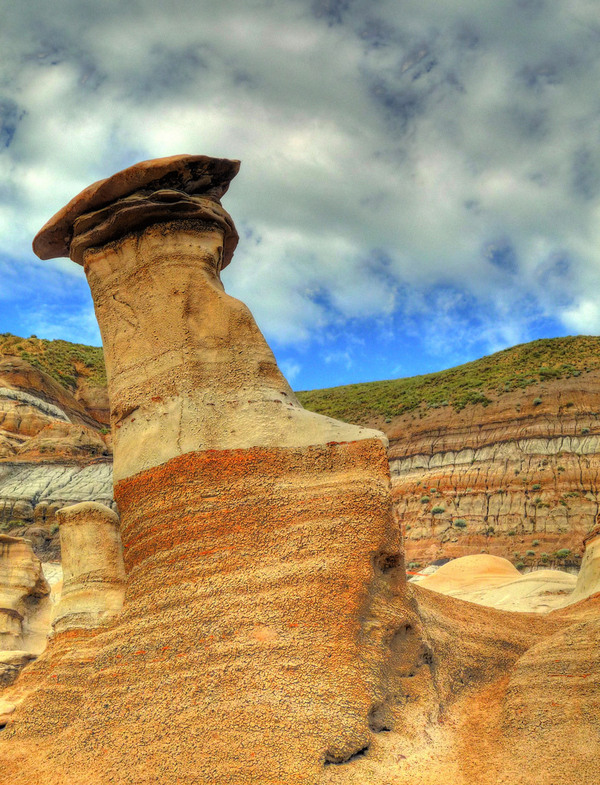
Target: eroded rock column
[
  {"x": 588, "y": 580},
  {"x": 93, "y": 570},
  {"x": 263, "y": 565},
  {"x": 24, "y": 606}
]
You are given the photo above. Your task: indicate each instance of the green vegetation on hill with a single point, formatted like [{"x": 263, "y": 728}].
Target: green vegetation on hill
[
  {"x": 61, "y": 360},
  {"x": 477, "y": 382}
]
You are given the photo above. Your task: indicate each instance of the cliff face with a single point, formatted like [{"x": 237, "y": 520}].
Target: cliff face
[
  {"x": 53, "y": 450},
  {"x": 517, "y": 478},
  {"x": 515, "y": 475}
]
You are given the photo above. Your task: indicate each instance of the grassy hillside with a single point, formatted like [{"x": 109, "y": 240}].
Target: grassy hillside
[
  {"x": 62, "y": 360},
  {"x": 479, "y": 381}
]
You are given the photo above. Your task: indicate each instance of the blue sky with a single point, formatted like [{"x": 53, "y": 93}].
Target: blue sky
[{"x": 420, "y": 181}]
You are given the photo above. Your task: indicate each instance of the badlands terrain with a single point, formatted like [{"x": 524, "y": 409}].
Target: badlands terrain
[
  {"x": 240, "y": 613},
  {"x": 500, "y": 455}
]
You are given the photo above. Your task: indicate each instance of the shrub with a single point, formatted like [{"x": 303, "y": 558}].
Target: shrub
[
  {"x": 54, "y": 528},
  {"x": 408, "y": 528},
  {"x": 414, "y": 565},
  {"x": 12, "y": 524},
  {"x": 519, "y": 565},
  {"x": 438, "y": 510},
  {"x": 536, "y": 487},
  {"x": 544, "y": 556},
  {"x": 511, "y": 533},
  {"x": 537, "y": 401},
  {"x": 530, "y": 553},
  {"x": 424, "y": 499},
  {"x": 460, "y": 523},
  {"x": 535, "y": 543},
  {"x": 585, "y": 430},
  {"x": 562, "y": 553}
]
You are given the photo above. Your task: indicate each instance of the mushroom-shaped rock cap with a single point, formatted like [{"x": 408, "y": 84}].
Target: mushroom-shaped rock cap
[{"x": 191, "y": 174}]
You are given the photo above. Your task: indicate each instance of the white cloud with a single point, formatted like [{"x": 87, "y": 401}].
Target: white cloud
[
  {"x": 290, "y": 370},
  {"x": 381, "y": 152}
]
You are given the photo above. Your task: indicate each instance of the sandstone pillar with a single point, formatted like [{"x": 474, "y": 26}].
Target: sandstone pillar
[
  {"x": 262, "y": 561},
  {"x": 93, "y": 569},
  {"x": 24, "y": 598},
  {"x": 588, "y": 580}
]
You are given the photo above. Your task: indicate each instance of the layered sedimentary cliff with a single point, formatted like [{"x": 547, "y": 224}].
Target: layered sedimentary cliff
[
  {"x": 512, "y": 471},
  {"x": 517, "y": 478},
  {"x": 53, "y": 452},
  {"x": 499, "y": 455}
]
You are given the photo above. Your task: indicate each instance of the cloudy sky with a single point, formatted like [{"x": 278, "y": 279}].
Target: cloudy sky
[{"x": 420, "y": 180}]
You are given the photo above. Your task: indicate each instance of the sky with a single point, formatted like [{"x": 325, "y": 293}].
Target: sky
[{"x": 420, "y": 180}]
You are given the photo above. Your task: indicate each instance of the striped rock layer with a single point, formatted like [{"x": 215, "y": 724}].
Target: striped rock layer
[{"x": 520, "y": 475}]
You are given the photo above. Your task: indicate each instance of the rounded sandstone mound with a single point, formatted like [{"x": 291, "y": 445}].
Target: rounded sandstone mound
[
  {"x": 588, "y": 580},
  {"x": 494, "y": 582},
  {"x": 471, "y": 573}
]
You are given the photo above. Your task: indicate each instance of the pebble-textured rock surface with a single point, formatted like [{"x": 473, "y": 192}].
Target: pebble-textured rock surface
[{"x": 263, "y": 565}]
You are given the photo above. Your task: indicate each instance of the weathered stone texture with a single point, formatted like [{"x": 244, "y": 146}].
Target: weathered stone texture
[
  {"x": 92, "y": 562},
  {"x": 24, "y": 604},
  {"x": 268, "y": 636}
]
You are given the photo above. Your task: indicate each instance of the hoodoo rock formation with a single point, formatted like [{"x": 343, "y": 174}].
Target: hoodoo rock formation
[
  {"x": 263, "y": 565},
  {"x": 268, "y": 635},
  {"x": 24, "y": 606},
  {"x": 93, "y": 570}
]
